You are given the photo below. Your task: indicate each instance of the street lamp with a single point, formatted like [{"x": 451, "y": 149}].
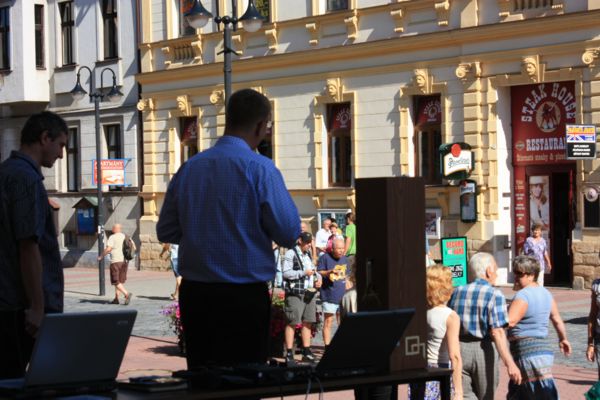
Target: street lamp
[
  {"x": 114, "y": 95},
  {"x": 252, "y": 21}
]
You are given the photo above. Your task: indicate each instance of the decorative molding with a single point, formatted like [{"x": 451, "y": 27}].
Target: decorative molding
[
  {"x": 352, "y": 26},
  {"x": 168, "y": 53},
  {"x": 532, "y": 69},
  {"x": 590, "y": 55},
  {"x": 468, "y": 71},
  {"x": 317, "y": 201},
  {"x": 313, "y": 30},
  {"x": 145, "y": 104},
  {"x": 271, "y": 35},
  {"x": 505, "y": 7},
  {"x": 558, "y": 5},
  {"x": 351, "y": 201},
  {"x": 239, "y": 43},
  {"x": 184, "y": 105},
  {"x": 398, "y": 17},
  {"x": 217, "y": 98},
  {"x": 442, "y": 9},
  {"x": 421, "y": 83},
  {"x": 334, "y": 89},
  {"x": 197, "y": 50}
]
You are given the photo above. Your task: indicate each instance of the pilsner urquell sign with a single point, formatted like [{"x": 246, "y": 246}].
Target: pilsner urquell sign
[{"x": 456, "y": 160}]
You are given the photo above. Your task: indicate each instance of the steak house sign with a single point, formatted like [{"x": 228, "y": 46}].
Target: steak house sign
[{"x": 543, "y": 110}]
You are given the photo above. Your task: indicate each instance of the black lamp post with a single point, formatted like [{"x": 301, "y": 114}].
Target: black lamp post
[
  {"x": 252, "y": 21},
  {"x": 114, "y": 95}
]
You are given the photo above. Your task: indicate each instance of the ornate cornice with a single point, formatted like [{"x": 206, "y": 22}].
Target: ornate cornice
[
  {"x": 442, "y": 9},
  {"x": 334, "y": 89},
  {"x": 468, "y": 71},
  {"x": 590, "y": 55},
  {"x": 184, "y": 105}
]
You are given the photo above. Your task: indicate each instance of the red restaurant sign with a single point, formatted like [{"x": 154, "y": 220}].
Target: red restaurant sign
[
  {"x": 539, "y": 115},
  {"x": 429, "y": 110},
  {"x": 339, "y": 116}
]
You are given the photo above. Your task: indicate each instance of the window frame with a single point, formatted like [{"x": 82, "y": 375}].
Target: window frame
[
  {"x": 67, "y": 32},
  {"x": 73, "y": 156},
  {"x": 345, "y": 151},
  {"x": 116, "y": 149},
  {"x": 330, "y": 5},
  {"x": 5, "y": 39},
  {"x": 39, "y": 37},
  {"x": 188, "y": 148},
  {"x": 434, "y": 176},
  {"x": 110, "y": 32}
]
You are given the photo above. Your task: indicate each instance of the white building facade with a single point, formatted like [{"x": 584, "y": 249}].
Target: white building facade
[
  {"x": 44, "y": 45},
  {"x": 372, "y": 88}
]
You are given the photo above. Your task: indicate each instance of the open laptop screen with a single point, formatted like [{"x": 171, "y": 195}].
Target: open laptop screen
[
  {"x": 79, "y": 348},
  {"x": 364, "y": 342}
]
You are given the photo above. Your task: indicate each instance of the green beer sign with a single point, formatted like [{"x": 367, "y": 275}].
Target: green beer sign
[{"x": 454, "y": 256}]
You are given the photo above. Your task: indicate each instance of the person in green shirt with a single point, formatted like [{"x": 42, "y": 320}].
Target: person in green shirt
[{"x": 350, "y": 234}]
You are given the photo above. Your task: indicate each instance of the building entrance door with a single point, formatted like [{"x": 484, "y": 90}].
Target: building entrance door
[{"x": 551, "y": 204}]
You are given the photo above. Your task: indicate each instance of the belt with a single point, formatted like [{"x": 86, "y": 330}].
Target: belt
[{"x": 471, "y": 338}]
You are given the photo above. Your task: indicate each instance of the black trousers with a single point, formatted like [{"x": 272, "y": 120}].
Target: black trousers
[
  {"x": 16, "y": 344},
  {"x": 224, "y": 324}
]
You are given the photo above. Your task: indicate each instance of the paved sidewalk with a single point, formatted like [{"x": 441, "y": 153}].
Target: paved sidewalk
[{"x": 153, "y": 347}]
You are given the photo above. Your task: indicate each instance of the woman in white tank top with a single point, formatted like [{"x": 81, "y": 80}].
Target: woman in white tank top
[{"x": 443, "y": 348}]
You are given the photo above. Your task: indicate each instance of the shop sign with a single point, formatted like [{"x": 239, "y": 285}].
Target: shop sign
[
  {"x": 456, "y": 160},
  {"x": 429, "y": 110},
  {"x": 454, "y": 256},
  {"x": 581, "y": 142},
  {"x": 190, "y": 130},
  {"x": 540, "y": 113},
  {"x": 113, "y": 171}
]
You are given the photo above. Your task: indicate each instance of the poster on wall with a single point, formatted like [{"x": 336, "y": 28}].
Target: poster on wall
[
  {"x": 454, "y": 256},
  {"x": 113, "y": 171}
]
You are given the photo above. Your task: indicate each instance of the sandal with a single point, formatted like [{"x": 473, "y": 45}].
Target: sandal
[
  {"x": 128, "y": 298},
  {"x": 114, "y": 301}
]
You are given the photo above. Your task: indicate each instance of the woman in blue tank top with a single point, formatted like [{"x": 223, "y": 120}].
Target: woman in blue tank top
[{"x": 528, "y": 316}]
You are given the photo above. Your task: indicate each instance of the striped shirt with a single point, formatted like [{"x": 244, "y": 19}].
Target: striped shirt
[
  {"x": 480, "y": 307},
  {"x": 224, "y": 207}
]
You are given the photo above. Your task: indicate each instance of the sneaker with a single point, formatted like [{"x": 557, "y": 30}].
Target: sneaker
[
  {"x": 308, "y": 356},
  {"x": 289, "y": 359},
  {"x": 115, "y": 301},
  {"x": 128, "y": 298}
]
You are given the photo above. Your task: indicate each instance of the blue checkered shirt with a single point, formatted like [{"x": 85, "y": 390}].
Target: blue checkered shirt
[
  {"x": 224, "y": 207},
  {"x": 480, "y": 307}
]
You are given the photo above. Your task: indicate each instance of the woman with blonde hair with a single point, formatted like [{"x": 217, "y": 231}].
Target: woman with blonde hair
[{"x": 443, "y": 348}]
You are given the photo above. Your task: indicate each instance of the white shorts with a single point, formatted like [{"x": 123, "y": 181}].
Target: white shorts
[{"x": 330, "y": 308}]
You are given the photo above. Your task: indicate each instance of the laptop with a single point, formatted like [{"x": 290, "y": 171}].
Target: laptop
[
  {"x": 363, "y": 343},
  {"x": 75, "y": 353}
]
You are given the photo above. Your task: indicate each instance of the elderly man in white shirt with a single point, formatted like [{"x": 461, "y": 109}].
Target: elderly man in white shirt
[{"x": 322, "y": 236}]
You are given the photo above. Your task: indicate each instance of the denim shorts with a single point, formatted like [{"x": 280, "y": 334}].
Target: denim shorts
[{"x": 330, "y": 308}]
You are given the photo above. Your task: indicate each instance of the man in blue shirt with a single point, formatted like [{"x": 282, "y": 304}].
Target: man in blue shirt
[
  {"x": 31, "y": 275},
  {"x": 224, "y": 207},
  {"x": 483, "y": 318}
]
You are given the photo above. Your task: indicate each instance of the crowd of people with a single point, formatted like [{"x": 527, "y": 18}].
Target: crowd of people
[{"x": 222, "y": 213}]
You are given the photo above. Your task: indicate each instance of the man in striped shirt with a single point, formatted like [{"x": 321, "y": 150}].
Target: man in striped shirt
[{"x": 483, "y": 316}]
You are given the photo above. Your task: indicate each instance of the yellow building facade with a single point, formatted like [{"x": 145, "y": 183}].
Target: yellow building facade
[{"x": 372, "y": 88}]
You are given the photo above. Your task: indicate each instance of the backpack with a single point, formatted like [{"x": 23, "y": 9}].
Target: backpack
[{"x": 127, "y": 249}]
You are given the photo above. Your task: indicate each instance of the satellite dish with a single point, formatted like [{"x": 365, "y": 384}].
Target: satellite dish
[{"x": 591, "y": 194}]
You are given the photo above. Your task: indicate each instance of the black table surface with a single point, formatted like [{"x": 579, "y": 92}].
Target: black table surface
[{"x": 326, "y": 385}]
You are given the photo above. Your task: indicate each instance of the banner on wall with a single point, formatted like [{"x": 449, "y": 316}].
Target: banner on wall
[
  {"x": 454, "y": 256},
  {"x": 339, "y": 117},
  {"x": 113, "y": 171},
  {"x": 540, "y": 113},
  {"x": 429, "y": 110},
  {"x": 189, "y": 129}
]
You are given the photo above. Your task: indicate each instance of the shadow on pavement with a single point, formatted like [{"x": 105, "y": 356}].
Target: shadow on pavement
[
  {"x": 161, "y": 298},
  {"x": 103, "y": 301},
  {"x": 172, "y": 350},
  {"x": 84, "y": 293},
  {"x": 577, "y": 321}
]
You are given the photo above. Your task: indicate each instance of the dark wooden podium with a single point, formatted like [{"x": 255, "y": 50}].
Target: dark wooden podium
[{"x": 390, "y": 263}]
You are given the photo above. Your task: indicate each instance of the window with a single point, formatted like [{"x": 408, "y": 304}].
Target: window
[
  {"x": 4, "y": 38},
  {"x": 188, "y": 137},
  {"x": 336, "y": 5},
  {"x": 67, "y": 27},
  {"x": 73, "y": 161},
  {"x": 591, "y": 213},
  {"x": 109, "y": 17},
  {"x": 112, "y": 135},
  {"x": 39, "y": 35},
  {"x": 184, "y": 27},
  {"x": 264, "y": 8},
  {"x": 339, "y": 144},
  {"x": 428, "y": 128}
]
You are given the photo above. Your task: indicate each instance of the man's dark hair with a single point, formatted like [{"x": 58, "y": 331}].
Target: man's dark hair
[
  {"x": 246, "y": 108},
  {"x": 45, "y": 121}
]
